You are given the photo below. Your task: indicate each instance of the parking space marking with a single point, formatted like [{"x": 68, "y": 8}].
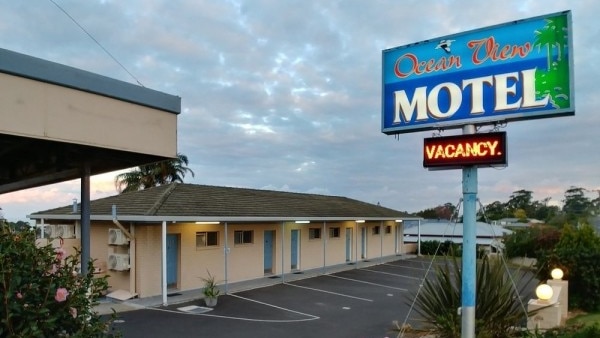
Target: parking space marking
[
  {"x": 330, "y": 292},
  {"x": 405, "y": 267},
  {"x": 310, "y": 317},
  {"x": 370, "y": 283},
  {"x": 392, "y": 274}
]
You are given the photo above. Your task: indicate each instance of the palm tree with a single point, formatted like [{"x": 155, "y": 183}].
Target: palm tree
[{"x": 154, "y": 174}]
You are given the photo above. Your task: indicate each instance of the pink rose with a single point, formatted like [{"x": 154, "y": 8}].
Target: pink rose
[
  {"x": 60, "y": 253},
  {"x": 19, "y": 295},
  {"x": 61, "y": 294}
]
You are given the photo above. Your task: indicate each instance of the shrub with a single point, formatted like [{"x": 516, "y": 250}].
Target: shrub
[
  {"x": 577, "y": 254},
  {"x": 42, "y": 295},
  {"x": 528, "y": 242},
  {"x": 498, "y": 309},
  {"x": 440, "y": 249}
]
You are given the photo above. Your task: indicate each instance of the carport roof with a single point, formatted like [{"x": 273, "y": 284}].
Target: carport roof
[{"x": 190, "y": 202}]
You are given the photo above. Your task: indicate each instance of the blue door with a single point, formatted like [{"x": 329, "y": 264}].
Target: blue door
[
  {"x": 268, "y": 246},
  {"x": 348, "y": 244},
  {"x": 363, "y": 242},
  {"x": 172, "y": 260},
  {"x": 294, "y": 249}
]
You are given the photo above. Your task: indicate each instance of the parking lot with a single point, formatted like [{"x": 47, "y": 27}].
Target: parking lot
[{"x": 361, "y": 301}]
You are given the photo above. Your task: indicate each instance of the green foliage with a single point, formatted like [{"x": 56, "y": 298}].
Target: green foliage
[
  {"x": 577, "y": 254},
  {"x": 498, "y": 310},
  {"x": 431, "y": 248},
  {"x": 211, "y": 290},
  {"x": 569, "y": 331},
  {"x": 530, "y": 241},
  {"x": 154, "y": 174},
  {"x": 42, "y": 295}
]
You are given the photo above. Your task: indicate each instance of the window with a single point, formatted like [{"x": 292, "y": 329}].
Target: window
[
  {"x": 207, "y": 238},
  {"x": 243, "y": 236},
  {"x": 334, "y": 232},
  {"x": 314, "y": 233},
  {"x": 388, "y": 229},
  {"x": 376, "y": 230}
]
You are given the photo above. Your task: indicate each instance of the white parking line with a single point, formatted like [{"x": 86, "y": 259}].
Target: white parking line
[
  {"x": 370, "y": 283},
  {"x": 310, "y": 317},
  {"x": 392, "y": 274},
  {"x": 405, "y": 267},
  {"x": 330, "y": 292}
]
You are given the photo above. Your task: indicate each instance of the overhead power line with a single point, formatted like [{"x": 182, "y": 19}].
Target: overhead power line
[{"x": 96, "y": 41}]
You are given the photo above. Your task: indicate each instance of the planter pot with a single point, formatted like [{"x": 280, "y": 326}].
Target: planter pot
[{"x": 210, "y": 301}]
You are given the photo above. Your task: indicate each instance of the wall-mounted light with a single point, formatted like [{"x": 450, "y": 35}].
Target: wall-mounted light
[
  {"x": 208, "y": 222},
  {"x": 544, "y": 292},
  {"x": 360, "y": 221},
  {"x": 302, "y": 222},
  {"x": 399, "y": 221},
  {"x": 557, "y": 274}
]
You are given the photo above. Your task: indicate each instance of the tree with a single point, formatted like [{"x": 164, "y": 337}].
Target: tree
[
  {"x": 577, "y": 206},
  {"x": 520, "y": 199},
  {"x": 493, "y": 211},
  {"x": 154, "y": 174}
]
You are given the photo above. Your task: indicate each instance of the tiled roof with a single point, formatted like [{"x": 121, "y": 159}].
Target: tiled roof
[{"x": 191, "y": 200}]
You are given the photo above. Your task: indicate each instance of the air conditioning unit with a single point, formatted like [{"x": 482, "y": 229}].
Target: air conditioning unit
[
  {"x": 117, "y": 237},
  {"x": 62, "y": 231},
  {"x": 118, "y": 262}
]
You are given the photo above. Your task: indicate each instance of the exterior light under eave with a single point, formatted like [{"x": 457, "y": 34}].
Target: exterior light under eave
[
  {"x": 208, "y": 222},
  {"x": 360, "y": 221},
  {"x": 302, "y": 222}
]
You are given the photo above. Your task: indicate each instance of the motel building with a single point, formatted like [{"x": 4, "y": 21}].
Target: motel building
[{"x": 235, "y": 234}]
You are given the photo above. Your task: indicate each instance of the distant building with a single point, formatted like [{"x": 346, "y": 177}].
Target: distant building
[
  {"x": 516, "y": 223},
  {"x": 487, "y": 234}
]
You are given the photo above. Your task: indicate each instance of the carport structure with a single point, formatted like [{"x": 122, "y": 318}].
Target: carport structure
[{"x": 59, "y": 123}]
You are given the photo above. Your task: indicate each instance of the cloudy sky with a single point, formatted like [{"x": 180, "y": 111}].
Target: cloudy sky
[{"x": 286, "y": 95}]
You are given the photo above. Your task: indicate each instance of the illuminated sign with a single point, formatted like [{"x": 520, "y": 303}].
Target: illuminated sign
[
  {"x": 513, "y": 71},
  {"x": 465, "y": 150}
]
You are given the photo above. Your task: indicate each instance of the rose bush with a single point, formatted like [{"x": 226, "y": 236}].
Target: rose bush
[{"x": 43, "y": 294}]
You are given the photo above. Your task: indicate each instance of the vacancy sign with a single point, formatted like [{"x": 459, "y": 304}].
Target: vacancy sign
[
  {"x": 486, "y": 149},
  {"x": 514, "y": 71}
]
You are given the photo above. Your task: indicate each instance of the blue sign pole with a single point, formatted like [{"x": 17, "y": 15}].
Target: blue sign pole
[{"x": 469, "y": 246}]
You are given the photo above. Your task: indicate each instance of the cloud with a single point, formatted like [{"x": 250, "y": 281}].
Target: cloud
[{"x": 287, "y": 95}]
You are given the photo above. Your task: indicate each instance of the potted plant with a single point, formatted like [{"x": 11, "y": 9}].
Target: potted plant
[{"x": 211, "y": 291}]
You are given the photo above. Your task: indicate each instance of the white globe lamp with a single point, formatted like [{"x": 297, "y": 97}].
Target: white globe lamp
[
  {"x": 544, "y": 292},
  {"x": 557, "y": 274}
]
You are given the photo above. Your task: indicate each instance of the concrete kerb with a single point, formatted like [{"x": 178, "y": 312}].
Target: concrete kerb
[{"x": 107, "y": 306}]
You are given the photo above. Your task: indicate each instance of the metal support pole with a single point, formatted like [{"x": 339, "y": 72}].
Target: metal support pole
[
  {"x": 226, "y": 254},
  {"x": 469, "y": 186},
  {"x": 283, "y": 252},
  {"x": 163, "y": 279},
  {"x": 419, "y": 239},
  {"x": 85, "y": 218}
]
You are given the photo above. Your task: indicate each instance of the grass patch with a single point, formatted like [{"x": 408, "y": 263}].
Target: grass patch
[{"x": 585, "y": 319}]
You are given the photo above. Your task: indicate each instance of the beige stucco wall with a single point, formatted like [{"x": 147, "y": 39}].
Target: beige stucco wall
[
  {"x": 46, "y": 111},
  {"x": 245, "y": 262}
]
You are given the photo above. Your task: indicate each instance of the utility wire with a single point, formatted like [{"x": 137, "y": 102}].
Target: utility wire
[{"x": 96, "y": 41}]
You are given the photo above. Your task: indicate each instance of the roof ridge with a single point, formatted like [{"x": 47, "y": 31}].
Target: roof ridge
[{"x": 161, "y": 200}]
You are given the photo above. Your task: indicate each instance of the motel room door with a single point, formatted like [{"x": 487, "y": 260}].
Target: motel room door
[
  {"x": 268, "y": 255},
  {"x": 348, "y": 244},
  {"x": 294, "y": 248},
  {"x": 363, "y": 242},
  {"x": 172, "y": 250}
]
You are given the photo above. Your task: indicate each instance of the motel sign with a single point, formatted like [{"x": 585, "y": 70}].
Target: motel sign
[{"x": 514, "y": 71}]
